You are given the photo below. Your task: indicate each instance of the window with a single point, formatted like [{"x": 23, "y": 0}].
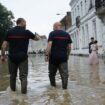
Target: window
[
  {"x": 91, "y": 4},
  {"x": 77, "y": 39},
  {"x": 83, "y": 37},
  {"x": 75, "y": 12},
  {"x": 85, "y": 6},
  {"x": 78, "y": 10},
  {"x": 76, "y": 45},
  {"x": 94, "y": 29},
  {"x": 73, "y": 38},
  {"x": 81, "y": 8},
  {"x": 73, "y": 17},
  {"x": 74, "y": 41},
  {"x": 87, "y": 35}
]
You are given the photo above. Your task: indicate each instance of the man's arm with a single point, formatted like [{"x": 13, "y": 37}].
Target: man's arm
[
  {"x": 33, "y": 36},
  {"x": 68, "y": 49},
  {"x": 3, "y": 49},
  {"x": 37, "y": 37},
  {"x": 49, "y": 45},
  {"x": 69, "y": 46},
  {"x": 48, "y": 50}
]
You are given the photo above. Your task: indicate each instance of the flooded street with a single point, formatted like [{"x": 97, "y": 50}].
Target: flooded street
[{"x": 86, "y": 84}]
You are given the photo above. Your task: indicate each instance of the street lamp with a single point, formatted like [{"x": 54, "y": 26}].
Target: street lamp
[{"x": 60, "y": 14}]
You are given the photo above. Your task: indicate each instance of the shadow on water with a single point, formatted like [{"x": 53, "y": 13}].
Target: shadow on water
[{"x": 4, "y": 77}]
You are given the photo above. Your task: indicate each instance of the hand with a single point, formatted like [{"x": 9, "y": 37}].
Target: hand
[
  {"x": 3, "y": 59},
  {"x": 39, "y": 37}
]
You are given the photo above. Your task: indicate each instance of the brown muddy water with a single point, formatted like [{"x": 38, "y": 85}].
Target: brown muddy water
[{"x": 86, "y": 84}]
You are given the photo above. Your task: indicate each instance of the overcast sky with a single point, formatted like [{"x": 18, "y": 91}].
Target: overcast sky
[{"x": 39, "y": 14}]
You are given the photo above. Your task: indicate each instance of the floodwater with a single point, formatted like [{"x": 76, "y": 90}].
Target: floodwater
[{"x": 86, "y": 84}]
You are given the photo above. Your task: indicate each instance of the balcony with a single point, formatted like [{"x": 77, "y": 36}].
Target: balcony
[
  {"x": 78, "y": 21},
  {"x": 66, "y": 21},
  {"x": 100, "y": 9}
]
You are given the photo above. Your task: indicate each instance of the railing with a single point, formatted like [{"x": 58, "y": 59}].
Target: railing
[
  {"x": 100, "y": 9},
  {"x": 99, "y": 4},
  {"x": 78, "y": 21}
]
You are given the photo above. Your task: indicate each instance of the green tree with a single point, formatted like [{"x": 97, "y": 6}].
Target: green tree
[{"x": 6, "y": 21}]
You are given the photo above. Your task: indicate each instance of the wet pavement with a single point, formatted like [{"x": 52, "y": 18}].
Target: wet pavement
[{"x": 86, "y": 84}]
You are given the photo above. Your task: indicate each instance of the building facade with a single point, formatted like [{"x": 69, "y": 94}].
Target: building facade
[
  {"x": 85, "y": 24},
  {"x": 66, "y": 21},
  {"x": 37, "y": 46}
]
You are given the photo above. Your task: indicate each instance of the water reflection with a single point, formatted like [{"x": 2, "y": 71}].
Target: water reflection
[
  {"x": 86, "y": 84},
  {"x": 55, "y": 97},
  {"x": 4, "y": 77},
  {"x": 60, "y": 98},
  {"x": 94, "y": 75}
]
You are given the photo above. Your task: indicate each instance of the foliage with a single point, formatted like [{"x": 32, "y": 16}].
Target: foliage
[{"x": 6, "y": 21}]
